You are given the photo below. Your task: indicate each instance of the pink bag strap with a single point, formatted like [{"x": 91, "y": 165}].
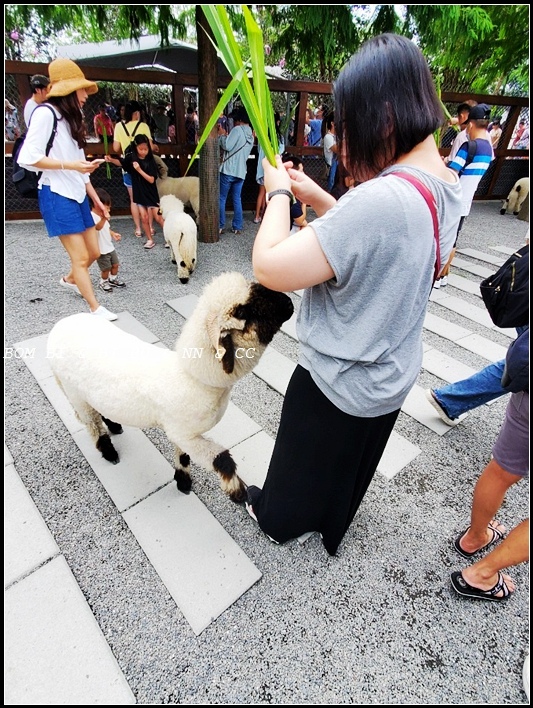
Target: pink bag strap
[{"x": 430, "y": 201}]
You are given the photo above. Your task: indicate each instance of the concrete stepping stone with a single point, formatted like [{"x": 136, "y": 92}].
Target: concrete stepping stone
[
  {"x": 482, "y": 256},
  {"x": 143, "y": 473}
]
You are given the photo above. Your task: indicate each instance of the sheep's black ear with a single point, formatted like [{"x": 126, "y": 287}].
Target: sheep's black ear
[{"x": 228, "y": 359}]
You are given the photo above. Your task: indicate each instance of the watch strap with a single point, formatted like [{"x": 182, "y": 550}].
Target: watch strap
[{"x": 287, "y": 192}]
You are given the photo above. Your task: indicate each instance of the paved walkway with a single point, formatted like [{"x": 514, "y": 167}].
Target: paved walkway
[{"x": 65, "y": 641}]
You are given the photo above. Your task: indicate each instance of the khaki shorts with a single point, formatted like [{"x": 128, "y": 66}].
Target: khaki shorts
[{"x": 107, "y": 260}]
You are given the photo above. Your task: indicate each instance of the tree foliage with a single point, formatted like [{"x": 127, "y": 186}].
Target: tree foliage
[{"x": 471, "y": 48}]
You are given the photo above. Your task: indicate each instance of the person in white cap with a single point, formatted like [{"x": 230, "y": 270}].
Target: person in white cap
[{"x": 64, "y": 182}]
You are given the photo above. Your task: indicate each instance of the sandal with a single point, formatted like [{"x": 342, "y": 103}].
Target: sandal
[
  {"x": 149, "y": 244},
  {"x": 138, "y": 234},
  {"x": 463, "y": 588},
  {"x": 497, "y": 536},
  {"x": 152, "y": 232}
]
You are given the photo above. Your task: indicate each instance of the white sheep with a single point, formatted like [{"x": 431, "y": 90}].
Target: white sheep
[
  {"x": 516, "y": 196},
  {"x": 185, "y": 188},
  {"x": 181, "y": 234},
  {"x": 103, "y": 372}
]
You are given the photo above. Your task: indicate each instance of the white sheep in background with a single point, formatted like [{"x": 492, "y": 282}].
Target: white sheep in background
[
  {"x": 185, "y": 188},
  {"x": 114, "y": 377},
  {"x": 516, "y": 196},
  {"x": 181, "y": 234}
]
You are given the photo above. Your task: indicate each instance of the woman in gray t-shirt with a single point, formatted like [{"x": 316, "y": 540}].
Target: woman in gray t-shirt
[{"x": 367, "y": 265}]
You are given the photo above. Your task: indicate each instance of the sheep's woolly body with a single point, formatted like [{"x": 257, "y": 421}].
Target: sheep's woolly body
[
  {"x": 185, "y": 188},
  {"x": 516, "y": 197},
  {"x": 103, "y": 372},
  {"x": 181, "y": 234}
]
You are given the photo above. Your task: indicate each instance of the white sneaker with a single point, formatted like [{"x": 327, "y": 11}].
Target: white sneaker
[
  {"x": 440, "y": 410},
  {"x": 444, "y": 281},
  {"x": 436, "y": 285},
  {"x": 105, "y": 313},
  {"x": 69, "y": 286}
]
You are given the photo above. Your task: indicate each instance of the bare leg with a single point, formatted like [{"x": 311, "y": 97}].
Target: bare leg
[
  {"x": 134, "y": 212},
  {"x": 143, "y": 213},
  {"x": 260, "y": 203},
  {"x": 489, "y": 493},
  {"x": 83, "y": 250}
]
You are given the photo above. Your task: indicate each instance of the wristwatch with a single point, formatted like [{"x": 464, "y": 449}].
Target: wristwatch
[{"x": 287, "y": 192}]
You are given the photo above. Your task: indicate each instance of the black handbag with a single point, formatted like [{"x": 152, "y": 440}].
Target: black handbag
[{"x": 506, "y": 292}]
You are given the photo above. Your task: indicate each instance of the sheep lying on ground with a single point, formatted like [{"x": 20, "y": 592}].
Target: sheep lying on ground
[
  {"x": 185, "y": 188},
  {"x": 112, "y": 377},
  {"x": 516, "y": 196},
  {"x": 181, "y": 234}
]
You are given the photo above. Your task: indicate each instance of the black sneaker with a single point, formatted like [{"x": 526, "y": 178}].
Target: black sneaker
[{"x": 117, "y": 283}]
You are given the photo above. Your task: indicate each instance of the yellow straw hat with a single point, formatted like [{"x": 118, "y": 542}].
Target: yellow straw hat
[{"x": 66, "y": 77}]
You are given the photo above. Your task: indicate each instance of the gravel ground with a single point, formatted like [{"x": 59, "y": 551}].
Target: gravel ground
[{"x": 378, "y": 624}]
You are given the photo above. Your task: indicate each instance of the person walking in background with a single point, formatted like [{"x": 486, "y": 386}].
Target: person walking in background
[
  {"x": 65, "y": 186},
  {"x": 103, "y": 125},
  {"x": 161, "y": 122},
  {"x": 521, "y": 137},
  {"x": 108, "y": 261},
  {"x": 141, "y": 166},
  {"x": 298, "y": 209},
  {"x": 330, "y": 150},
  {"x": 260, "y": 203},
  {"x": 125, "y": 132},
  {"x": 495, "y": 133},
  {"x": 12, "y": 127},
  {"x": 470, "y": 168},
  {"x": 192, "y": 126},
  {"x": 39, "y": 88},
  {"x": 236, "y": 149},
  {"x": 461, "y": 120},
  {"x": 360, "y": 340},
  {"x": 509, "y": 464}
]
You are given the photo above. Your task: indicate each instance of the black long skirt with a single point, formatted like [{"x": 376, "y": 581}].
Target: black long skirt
[{"x": 322, "y": 464}]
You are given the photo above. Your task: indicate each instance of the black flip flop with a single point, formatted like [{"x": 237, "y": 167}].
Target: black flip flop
[
  {"x": 461, "y": 587},
  {"x": 496, "y": 538}
]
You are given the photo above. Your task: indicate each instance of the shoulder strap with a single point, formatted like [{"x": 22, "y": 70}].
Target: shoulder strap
[
  {"x": 135, "y": 129},
  {"x": 430, "y": 201},
  {"x": 125, "y": 129},
  {"x": 54, "y": 129},
  {"x": 472, "y": 149}
]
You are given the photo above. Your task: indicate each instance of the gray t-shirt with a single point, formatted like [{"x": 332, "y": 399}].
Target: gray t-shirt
[{"x": 361, "y": 332}]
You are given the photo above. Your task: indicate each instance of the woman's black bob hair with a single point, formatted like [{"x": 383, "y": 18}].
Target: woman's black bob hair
[{"x": 385, "y": 104}]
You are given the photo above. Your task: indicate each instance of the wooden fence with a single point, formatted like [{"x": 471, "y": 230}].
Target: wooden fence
[{"x": 508, "y": 166}]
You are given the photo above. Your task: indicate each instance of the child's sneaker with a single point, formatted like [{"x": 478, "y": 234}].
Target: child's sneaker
[
  {"x": 105, "y": 286},
  {"x": 116, "y": 283}
]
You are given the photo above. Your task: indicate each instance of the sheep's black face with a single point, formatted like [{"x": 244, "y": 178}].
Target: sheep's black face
[{"x": 265, "y": 311}]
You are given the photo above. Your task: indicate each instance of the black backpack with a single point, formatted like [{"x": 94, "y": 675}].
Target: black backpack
[
  {"x": 25, "y": 181},
  {"x": 506, "y": 293},
  {"x": 129, "y": 149}
]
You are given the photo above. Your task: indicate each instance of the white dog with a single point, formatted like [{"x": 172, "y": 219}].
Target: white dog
[
  {"x": 185, "y": 188},
  {"x": 516, "y": 196},
  {"x": 180, "y": 233}
]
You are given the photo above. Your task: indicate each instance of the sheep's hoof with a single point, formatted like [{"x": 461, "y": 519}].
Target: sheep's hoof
[
  {"x": 515, "y": 213},
  {"x": 239, "y": 495},
  {"x": 183, "y": 480},
  {"x": 114, "y": 428},
  {"x": 174, "y": 261},
  {"x": 184, "y": 280},
  {"x": 107, "y": 449},
  {"x": 502, "y": 211}
]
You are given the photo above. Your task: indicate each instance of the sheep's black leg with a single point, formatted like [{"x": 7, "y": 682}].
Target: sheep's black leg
[
  {"x": 182, "y": 473},
  {"x": 233, "y": 485},
  {"x": 114, "y": 428},
  {"x": 107, "y": 449}
]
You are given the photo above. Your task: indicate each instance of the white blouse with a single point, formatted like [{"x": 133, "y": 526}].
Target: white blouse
[{"x": 68, "y": 183}]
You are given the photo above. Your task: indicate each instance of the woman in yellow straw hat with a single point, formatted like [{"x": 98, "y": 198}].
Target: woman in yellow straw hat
[{"x": 64, "y": 184}]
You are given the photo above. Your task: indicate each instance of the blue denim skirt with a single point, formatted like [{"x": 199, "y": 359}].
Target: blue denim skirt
[{"x": 63, "y": 216}]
